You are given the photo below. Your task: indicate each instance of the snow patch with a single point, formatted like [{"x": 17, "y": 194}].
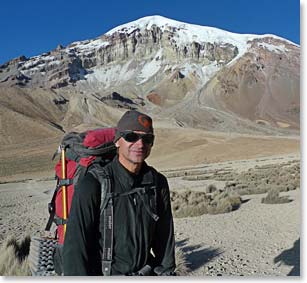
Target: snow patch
[
  {"x": 204, "y": 73},
  {"x": 93, "y": 44},
  {"x": 274, "y": 48},
  {"x": 151, "y": 68},
  {"x": 86, "y": 47},
  {"x": 56, "y": 62},
  {"x": 111, "y": 74},
  {"x": 48, "y": 58}
]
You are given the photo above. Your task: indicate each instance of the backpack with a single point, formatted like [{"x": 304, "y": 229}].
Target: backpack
[{"x": 82, "y": 150}]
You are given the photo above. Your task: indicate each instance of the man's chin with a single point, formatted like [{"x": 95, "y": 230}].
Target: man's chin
[{"x": 138, "y": 159}]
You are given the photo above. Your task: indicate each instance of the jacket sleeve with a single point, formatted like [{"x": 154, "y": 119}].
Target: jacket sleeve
[
  {"x": 81, "y": 246},
  {"x": 164, "y": 240}
]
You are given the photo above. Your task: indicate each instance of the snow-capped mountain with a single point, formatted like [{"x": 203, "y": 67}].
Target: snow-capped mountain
[{"x": 193, "y": 75}]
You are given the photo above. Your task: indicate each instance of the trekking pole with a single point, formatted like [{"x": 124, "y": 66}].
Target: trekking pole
[{"x": 64, "y": 189}]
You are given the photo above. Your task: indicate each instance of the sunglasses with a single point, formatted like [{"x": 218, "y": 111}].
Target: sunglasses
[{"x": 134, "y": 137}]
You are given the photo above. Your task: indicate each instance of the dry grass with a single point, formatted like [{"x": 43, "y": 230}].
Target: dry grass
[
  {"x": 189, "y": 204},
  {"x": 257, "y": 180},
  {"x": 273, "y": 197},
  {"x": 224, "y": 202},
  {"x": 182, "y": 265},
  {"x": 285, "y": 177},
  {"x": 211, "y": 189},
  {"x": 13, "y": 257}
]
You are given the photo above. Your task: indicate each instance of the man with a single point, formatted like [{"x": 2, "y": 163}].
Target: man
[{"x": 143, "y": 230}]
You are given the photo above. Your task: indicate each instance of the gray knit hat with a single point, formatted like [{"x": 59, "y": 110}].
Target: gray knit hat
[{"x": 133, "y": 121}]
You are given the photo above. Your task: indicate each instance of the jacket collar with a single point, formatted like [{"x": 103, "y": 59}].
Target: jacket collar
[{"x": 144, "y": 178}]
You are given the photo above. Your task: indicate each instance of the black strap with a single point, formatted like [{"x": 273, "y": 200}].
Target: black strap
[
  {"x": 151, "y": 213},
  {"x": 51, "y": 205},
  {"x": 51, "y": 218},
  {"x": 139, "y": 191},
  {"x": 107, "y": 250}
]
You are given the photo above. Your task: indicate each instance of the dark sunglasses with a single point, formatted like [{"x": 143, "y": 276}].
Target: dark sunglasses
[{"x": 134, "y": 137}]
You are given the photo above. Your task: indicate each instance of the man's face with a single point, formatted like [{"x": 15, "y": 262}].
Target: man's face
[{"x": 133, "y": 152}]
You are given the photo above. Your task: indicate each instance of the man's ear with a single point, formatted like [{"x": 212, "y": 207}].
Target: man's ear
[{"x": 116, "y": 144}]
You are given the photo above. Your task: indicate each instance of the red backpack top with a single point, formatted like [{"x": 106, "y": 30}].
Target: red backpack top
[{"x": 81, "y": 151}]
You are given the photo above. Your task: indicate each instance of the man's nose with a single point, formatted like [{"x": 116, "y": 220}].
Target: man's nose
[{"x": 139, "y": 142}]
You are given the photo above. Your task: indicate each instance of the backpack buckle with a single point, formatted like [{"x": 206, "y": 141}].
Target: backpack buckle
[
  {"x": 65, "y": 182},
  {"x": 60, "y": 221},
  {"x": 51, "y": 207},
  {"x": 106, "y": 267}
]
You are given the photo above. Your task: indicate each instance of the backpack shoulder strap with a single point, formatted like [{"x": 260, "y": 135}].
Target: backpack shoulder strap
[
  {"x": 154, "y": 190},
  {"x": 106, "y": 211},
  {"x": 104, "y": 179}
]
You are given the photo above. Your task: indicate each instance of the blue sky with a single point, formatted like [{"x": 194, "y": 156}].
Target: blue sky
[{"x": 35, "y": 26}]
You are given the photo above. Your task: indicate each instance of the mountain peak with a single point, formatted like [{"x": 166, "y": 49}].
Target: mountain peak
[
  {"x": 189, "y": 31},
  {"x": 147, "y": 22}
]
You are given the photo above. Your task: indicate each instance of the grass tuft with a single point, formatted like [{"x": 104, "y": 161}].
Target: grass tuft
[
  {"x": 189, "y": 204},
  {"x": 273, "y": 197},
  {"x": 182, "y": 264},
  {"x": 13, "y": 257}
]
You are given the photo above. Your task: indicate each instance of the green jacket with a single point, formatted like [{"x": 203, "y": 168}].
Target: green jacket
[{"x": 136, "y": 233}]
